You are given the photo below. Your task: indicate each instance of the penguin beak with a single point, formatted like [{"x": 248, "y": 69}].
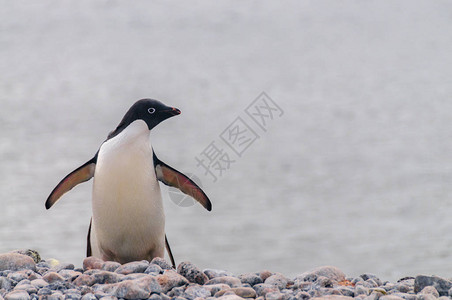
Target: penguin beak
[
  {"x": 172, "y": 111},
  {"x": 175, "y": 111}
]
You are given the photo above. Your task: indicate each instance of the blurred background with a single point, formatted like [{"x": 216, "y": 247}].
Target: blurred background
[{"x": 355, "y": 173}]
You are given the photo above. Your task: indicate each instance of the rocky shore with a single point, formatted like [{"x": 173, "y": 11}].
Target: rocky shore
[{"x": 24, "y": 276}]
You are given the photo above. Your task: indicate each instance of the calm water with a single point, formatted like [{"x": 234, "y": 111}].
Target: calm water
[{"x": 356, "y": 172}]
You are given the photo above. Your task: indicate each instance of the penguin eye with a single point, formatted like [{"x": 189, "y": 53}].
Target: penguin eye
[{"x": 151, "y": 110}]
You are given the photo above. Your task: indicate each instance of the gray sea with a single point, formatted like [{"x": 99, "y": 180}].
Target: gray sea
[{"x": 344, "y": 160}]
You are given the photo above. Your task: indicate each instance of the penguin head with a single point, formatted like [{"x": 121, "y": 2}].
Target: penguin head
[{"x": 149, "y": 110}]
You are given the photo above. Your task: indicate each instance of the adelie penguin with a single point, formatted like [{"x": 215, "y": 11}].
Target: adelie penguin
[{"x": 128, "y": 222}]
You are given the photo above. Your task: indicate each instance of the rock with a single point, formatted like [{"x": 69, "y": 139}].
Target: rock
[
  {"x": 92, "y": 262},
  {"x": 192, "y": 273},
  {"x": 45, "y": 291},
  {"x": 170, "y": 279},
  {"x": 103, "y": 277},
  {"x": 84, "y": 279},
  {"x": 330, "y": 272},
  {"x": 430, "y": 290},
  {"x": 132, "y": 267},
  {"x": 161, "y": 263},
  {"x": 134, "y": 276},
  {"x": 251, "y": 278},
  {"x": 89, "y": 296},
  {"x": 24, "y": 274},
  {"x": 274, "y": 296},
  {"x": 5, "y": 283},
  {"x": 213, "y": 273},
  {"x": 244, "y": 292},
  {"x": 230, "y": 297},
  {"x": 215, "y": 288},
  {"x": 110, "y": 266},
  {"x": 361, "y": 290},
  {"x": 31, "y": 253},
  {"x": 346, "y": 291},
  {"x": 229, "y": 280},
  {"x": 367, "y": 276},
  {"x": 52, "y": 277},
  {"x": 16, "y": 262},
  {"x": 26, "y": 287},
  {"x": 195, "y": 291},
  {"x": 425, "y": 297},
  {"x": 277, "y": 280},
  {"x": 132, "y": 289},
  {"x": 177, "y": 292},
  {"x": 153, "y": 269},
  {"x": 390, "y": 297},
  {"x": 442, "y": 285},
  {"x": 265, "y": 274},
  {"x": 263, "y": 288},
  {"x": 17, "y": 295},
  {"x": 332, "y": 297},
  {"x": 68, "y": 274},
  {"x": 302, "y": 295},
  {"x": 39, "y": 283}
]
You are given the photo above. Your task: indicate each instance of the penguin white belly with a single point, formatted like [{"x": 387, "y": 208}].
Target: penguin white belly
[{"x": 128, "y": 219}]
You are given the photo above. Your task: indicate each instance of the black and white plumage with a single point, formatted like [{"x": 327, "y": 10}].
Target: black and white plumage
[{"x": 128, "y": 221}]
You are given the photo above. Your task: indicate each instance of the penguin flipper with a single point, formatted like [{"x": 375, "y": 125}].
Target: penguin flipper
[
  {"x": 81, "y": 174},
  {"x": 174, "y": 178},
  {"x": 170, "y": 254}
]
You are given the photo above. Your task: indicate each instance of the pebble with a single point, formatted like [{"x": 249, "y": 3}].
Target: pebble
[
  {"x": 442, "y": 285},
  {"x": 16, "y": 262},
  {"x": 170, "y": 279},
  {"x": 157, "y": 280},
  {"x": 192, "y": 273},
  {"x": 17, "y": 295},
  {"x": 133, "y": 267},
  {"x": 161, "y": 263},
  {"x": 251, "y": 278},
  {"x": 278, "y": 280},
  {"x": 229, "y": 280},
  {"x": 213, "y": 273}
]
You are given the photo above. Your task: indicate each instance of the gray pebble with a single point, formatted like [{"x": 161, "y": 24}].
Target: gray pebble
[
  {"x": 346, "y": 291},
  {"x": 153, "y": 269},
  {"x": 330, "y": 272},
  {"x": 17, "y": 295},
  {"x": 155, "y": 297},
  {"x": 263, "y": 288},
  {"x": 442, "y": 285},
  {"x": 192, "y": 273},
  {"x": 16, "y": 262},
  {"x": 161, "y": 263},
  {"x": 361, "y": 290},
  {"x": 250, "y": 278},
  {"x": 213, "y": 273},
  {"x": 277, "y": 280},
  {"x": 45, "y": 291},
  {"x": 229, "y": 280},
  {"x": 425, "y": 297},
  {"x": 430, "y": 290},
  {"x": 367, "y": 276},
  {"x": 110, "y": 266},
  {"x": 5, "y": 283},
  {"x": 195, "y": 291},
  {"x": 132, "y": 267},
  {"x": 89, "y": 296},
  {"x": 26, "y": 287}
]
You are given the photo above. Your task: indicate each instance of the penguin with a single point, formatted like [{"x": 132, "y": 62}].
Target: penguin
[{"x": 128, "y": 220}]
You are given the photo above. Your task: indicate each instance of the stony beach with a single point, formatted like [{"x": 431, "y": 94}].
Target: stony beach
[{"x": 25, "y": 276}]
